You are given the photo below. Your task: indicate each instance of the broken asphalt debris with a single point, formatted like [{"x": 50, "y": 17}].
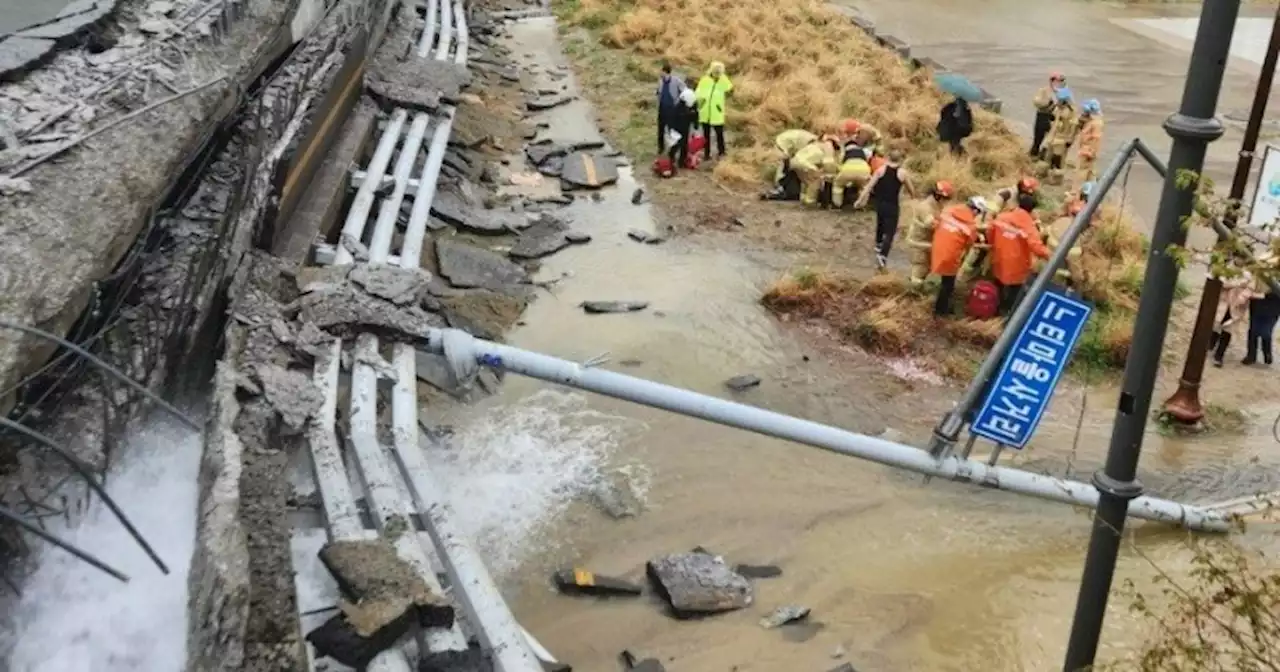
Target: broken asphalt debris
[
  {"x": 588, "y": 170},
  {"x": 600, "y": 307},
  {"x": 385, "y": 599},
  {"x": 783, "y": 616},
  {"x": 742, "y": 382},
  {"x": 698, "y": 584},
  {"x": 645, "y": 237},
  {"x": 630, "y": 663},
  {"x": 758, "y": 571},
  {"x": 582, "y": 582}
]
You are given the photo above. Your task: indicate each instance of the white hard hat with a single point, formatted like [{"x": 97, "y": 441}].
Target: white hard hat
[{"x": 978, "y": 203}]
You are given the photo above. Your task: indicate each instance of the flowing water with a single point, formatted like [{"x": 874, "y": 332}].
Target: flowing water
[
  {"x": 72, "y": 617},
  {"x": 900, "y": 575}
]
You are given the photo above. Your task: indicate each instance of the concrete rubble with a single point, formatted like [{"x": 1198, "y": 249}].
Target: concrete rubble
[
  {"x": 698, "y": 583},
  {"x": 69, "y": 221}
]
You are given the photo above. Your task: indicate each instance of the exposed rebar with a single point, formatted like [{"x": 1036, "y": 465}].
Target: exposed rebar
[
  {"x": 119, "y": 375},
  {"x": 86, "y": 473},
  {"x": 5, "y": 512}
]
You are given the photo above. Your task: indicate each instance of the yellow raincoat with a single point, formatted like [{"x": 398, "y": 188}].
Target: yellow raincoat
[
  {"x": 711, "y": 92},
  {"x": 923, "y": 213},
  {"x": 1063, "y": 132},
  {"x": 813, "y": 164}
]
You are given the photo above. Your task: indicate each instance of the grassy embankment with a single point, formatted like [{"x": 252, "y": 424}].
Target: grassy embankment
[{"x": 801, "y": 64}]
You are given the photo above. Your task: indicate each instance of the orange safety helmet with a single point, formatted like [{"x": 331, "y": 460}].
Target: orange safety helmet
[
  {"x": 850, "y": 126},
  {"x": 944, "y": 189},
  {"x": 1028, "y": 185}
]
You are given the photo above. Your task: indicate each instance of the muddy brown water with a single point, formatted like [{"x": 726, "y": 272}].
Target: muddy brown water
[{"x": 900, "y": 575}]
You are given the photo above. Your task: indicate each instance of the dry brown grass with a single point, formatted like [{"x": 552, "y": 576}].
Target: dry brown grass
[{"x": 800, "y": 64}]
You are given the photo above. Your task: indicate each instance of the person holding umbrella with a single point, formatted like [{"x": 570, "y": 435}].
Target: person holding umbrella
[{"x": 955, "y": 120}]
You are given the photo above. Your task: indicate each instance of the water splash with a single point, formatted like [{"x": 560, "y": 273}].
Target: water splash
[
  {"x": 74, "y": 618},
  {"x": 517, "y": 468}
]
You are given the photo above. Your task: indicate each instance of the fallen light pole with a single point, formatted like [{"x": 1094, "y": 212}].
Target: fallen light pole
[
  {"x": 1192, "y": 128},
  {"x": 465, "y": 353},
  {"x": 1184, "y": 406}
]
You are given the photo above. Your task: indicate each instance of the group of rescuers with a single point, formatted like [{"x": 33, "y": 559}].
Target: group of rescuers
[{"x": 996, "y": 235}]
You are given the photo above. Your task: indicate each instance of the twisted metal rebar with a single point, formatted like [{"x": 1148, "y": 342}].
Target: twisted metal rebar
[
  {"x": 119, "y": 375},
  {"x": 86, "y": 473},
  {"x": 67, "y": 546}
]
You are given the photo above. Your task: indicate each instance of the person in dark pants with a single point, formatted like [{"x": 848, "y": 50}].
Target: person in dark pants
[
  {"x": 669, "y": 88},
  {"x": 1263, "y": 314},
  {"x": 712, "y": 93},
  {"x": 955, "y": 123},
  {"x": 885, "y": 190},
  {"x": 683, "y": 118},
  {"x": 1043, "y": 102}
]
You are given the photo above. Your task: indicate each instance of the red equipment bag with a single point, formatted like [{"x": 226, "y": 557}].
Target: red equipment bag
[
  {"x": 662, "y": 167},
  {"x": 697, "y": 142},
  {"x": 984, "y": 300},
  {"x": 692, "y": 160}
]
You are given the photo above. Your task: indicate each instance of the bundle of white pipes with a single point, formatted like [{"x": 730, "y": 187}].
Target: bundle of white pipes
[{"x": 386, "y": 484}]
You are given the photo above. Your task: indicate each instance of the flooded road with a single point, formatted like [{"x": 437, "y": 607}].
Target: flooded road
[
  {"x": 1134, "y": 66},
  {"x": 900, "y": 575}
]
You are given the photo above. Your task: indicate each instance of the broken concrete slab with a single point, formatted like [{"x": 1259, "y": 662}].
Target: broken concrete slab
[
  {"x": 68, "y": 22},
  {"x": 742, "y": 382},
  {"x": 582, "y": 582},
  {"x": 18, "y": 53},
  {"x": 381, "y": 587},
  {"x": 291, "y": 393},
  {"x": 454, "y": 208},
  {"x": 601, "y": 307},
  {"x": 577, "y": 237},
  {"x": 588, "y": 170},
  {"x": 401, "y": 286},
  {"x": 346, "y": 310},
  {"x": 699, "y": 583},
  {"x": 469, "y": 267},
  {"x": 541, "y": 103},
  {"x": 539, "y": 152},
  {"x": 783, "y": 616},
  {"x": 416, "y": 83},
  {"x": 548, "y": 235}
]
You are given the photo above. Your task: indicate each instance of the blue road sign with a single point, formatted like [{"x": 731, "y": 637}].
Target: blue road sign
[{"x": 1020, "y": 393}]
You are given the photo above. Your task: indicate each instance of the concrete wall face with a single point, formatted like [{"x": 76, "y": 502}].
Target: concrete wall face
[{"x": 242, "y": 604}]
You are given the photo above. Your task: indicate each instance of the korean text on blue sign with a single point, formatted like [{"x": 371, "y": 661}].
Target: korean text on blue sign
[{"x": 1020, "y": 393}]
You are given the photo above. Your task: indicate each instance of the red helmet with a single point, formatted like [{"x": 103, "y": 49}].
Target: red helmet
[
  {"x": 1028, "y": 185},
  {"x": 850, "y": 126},
  {"x": 944, "y": 189}
]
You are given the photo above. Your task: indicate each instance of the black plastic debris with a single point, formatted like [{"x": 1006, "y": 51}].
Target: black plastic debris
[
  {"x": 582, "y": 582},
  {"x": 758, "y": 571},
  {"x": 338, "y": 639}
]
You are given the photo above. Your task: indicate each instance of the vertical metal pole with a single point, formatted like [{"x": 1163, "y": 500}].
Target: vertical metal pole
[
  {"x": 1192, "y": 128},
  {"x": 1184, "y": 405}
]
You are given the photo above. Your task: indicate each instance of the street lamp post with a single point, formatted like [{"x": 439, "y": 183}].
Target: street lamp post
[
  {"x": 1184, "y": 406},
  {"x": 1192, "y": 128}
]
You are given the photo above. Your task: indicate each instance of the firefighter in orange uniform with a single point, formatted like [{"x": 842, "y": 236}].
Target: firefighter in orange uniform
[
  {"x": 1015, "y": 242},
  {"x": 955, "y": 231}
]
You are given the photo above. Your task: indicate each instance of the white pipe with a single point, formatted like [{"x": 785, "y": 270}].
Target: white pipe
[
  {"x": 465, "y": 349},
  {"x": 340, "y": 512},
  {"x": 446, "y": 30},
  {"x": 464, "y": 39},
  {"x": 429, "y": 33},
  {"x": 358, "y": 215},
  {"x": 382, "y": 495},
  {"x": 416, "y": 230},
  {"x": 384, "y": 228},
  {"x": 496, "y": 627}
]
